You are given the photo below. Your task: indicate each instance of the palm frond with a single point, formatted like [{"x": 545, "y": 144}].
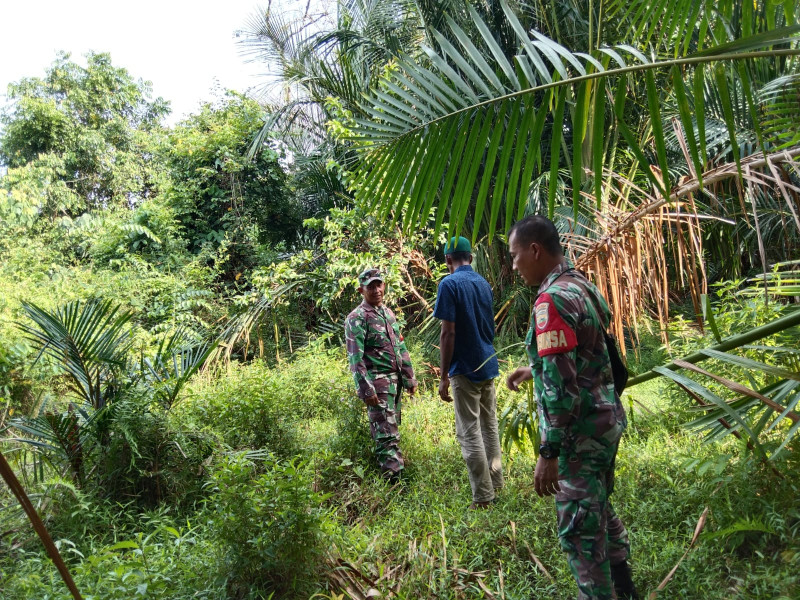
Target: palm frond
[
  {"x": 682, "y": 26},
  {"x": 782, "y": 280},
  {"x": 52, "y": 432},
  {"x": 751, "y": 410},
  {"x": 428, "y": 140},
  {"x": 627, "y": 245},
  {"x": 62, "y": 438},
  {"x": 88, "y": 340},
  {"x": 792, "y": 319},
  {"x": 175, "y": 361},
  {"x": 313, "y": 65},
  {"x": 780, "y": 101}
]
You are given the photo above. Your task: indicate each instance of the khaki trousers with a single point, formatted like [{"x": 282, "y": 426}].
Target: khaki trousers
[{"x": 476, "y": 430}]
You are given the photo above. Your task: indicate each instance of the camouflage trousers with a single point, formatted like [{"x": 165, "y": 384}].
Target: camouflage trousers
[
  {"x": 383, "y": 421},
  {"x": 590, "y": 532}
]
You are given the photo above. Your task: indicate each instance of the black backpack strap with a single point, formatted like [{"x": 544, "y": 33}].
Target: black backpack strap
[{"x": 618, "y": 369}]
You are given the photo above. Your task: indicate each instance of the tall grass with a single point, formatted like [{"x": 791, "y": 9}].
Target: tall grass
[{"x": 416, "y": 539}]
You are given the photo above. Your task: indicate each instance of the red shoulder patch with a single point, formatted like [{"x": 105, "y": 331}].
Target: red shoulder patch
[{"x": 553, "y": 335}]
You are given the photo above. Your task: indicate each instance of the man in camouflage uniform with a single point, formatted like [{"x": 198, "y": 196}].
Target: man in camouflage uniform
[
  {"x": 581, "y": 418},
  {"x": 381, "y": 368}
]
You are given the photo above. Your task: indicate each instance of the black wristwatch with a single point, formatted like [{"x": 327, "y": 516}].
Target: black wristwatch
[{"x": 548, "y": 451}]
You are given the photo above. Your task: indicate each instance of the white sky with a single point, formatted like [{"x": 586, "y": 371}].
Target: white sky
[{"x": 184, "y": 48}]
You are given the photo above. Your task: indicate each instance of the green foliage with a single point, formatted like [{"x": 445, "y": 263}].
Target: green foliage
[
  {"x": 751, "y": 390},
  {"x": 118, "y": 428},
  {"x": 164, "y": 292},
  {"x": 267, "y": 525},
  {"x": 327, "y": 73},
  {"x": 443, "y": 127},
  {"x": 88, "y": 341},
  {"x": 645, "y": 350},
  {"x": 13, "y": 384},
  {"x": 159, "y": 219},
  {"x": 268, "y": 522},
  {"x": 89, "y": 344},
  {"x": 317, "y": 285},
  {"x": 253, "y": 406},
  {"x": 150, "y": 232},
  {"x": 519, "y": 422},
  {"x": 92, "y": 173},
  {"x": 151, "y": 457},
  {"x": 156, "y": 558},
  {"x": 35, "y": 189},
  {"x": 217, "y": 193},
  {"x": 82, "y": 129}
]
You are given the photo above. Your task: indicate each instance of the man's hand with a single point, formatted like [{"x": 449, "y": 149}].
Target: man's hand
[
  {"x": 517, "y": 377},
  {"x": 371, "y": 400},
  {"x": 412, "y": 391},
  {"x": 444, "y": 389},
  {"x": 545, "y": 477}
]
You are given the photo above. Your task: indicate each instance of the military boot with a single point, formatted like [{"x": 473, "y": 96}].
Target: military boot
[{"x": 623, "y": 582}]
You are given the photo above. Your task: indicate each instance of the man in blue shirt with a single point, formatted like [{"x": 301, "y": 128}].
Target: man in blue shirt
[{"x": 469, "y": 366}]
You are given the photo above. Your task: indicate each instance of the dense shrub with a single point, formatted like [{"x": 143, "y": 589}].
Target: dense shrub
[
  {"x": 257, "y": 407},
  {"x": 153, "y": 458},
  {"x": 268, "y": 523},
  {"x": 160, "y": 560}
]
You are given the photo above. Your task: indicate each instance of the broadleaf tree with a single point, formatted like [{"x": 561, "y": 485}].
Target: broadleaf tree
[{"x": 83, "y": 129}]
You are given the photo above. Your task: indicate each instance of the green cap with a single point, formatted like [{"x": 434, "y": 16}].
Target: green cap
[
  {"x": 459, "y": 244},
  {"x": 369, "y": 275}
]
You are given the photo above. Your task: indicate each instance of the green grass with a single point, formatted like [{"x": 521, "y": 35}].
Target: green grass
[
  {"x": 418, "y": 539},
  {"x": 441, "y": 547}
]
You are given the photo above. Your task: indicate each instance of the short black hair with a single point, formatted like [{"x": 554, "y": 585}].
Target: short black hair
[
  {"x": 459, "y": 256},
  {"x": 541, "y": 230}
]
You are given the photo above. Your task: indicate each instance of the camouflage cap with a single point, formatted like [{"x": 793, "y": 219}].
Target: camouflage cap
[
  {"x": 369, "y": 275},
  {"x": 457, "y": 244}
]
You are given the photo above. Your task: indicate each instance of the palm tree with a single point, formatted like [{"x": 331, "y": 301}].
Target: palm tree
[
  {"x": 690, "y": 118},
  {"x": 89, "y": 343},
  {"x": 465, "y": 132},
  {"x": 322, "y": 75}
]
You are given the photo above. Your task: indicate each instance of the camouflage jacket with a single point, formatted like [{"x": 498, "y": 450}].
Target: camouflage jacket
[
  {"x": 375, "y": 348},
  {"x": 574, "y": 386}
]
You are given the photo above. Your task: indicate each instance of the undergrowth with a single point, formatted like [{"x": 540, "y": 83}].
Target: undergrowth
[{"x": 293, "y": 505}]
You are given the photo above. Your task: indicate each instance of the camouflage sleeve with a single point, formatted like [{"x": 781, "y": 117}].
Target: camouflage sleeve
[
  {"x": 560, "y": 397},
  {"x": 556, "y": 343},
  {"x": 355, "y": 331},
  {"x": 406, "y": 370}
]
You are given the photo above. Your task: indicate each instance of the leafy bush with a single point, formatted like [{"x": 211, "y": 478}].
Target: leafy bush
[
  {"x": 14, "y": 386},
  {"x": 350, "y": 439},
  {"x": 258, "y": 407},
  {"x": 115, "y": 429},
  {"x": 219, "y": 194},
  {"x": 151, "y": 457},
  {"x": 268, "y": 521},
  {"x": 160, "y": 560},
  {"x": 83, "y": 131}
]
